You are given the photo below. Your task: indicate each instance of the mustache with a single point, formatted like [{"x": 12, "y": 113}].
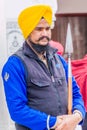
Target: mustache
[{"x": 41, "y": 38}]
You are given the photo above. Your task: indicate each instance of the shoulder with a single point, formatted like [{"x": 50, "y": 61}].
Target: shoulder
[
  {"x": 13, "y": 63},
  {"x": 62, "y": 60}
]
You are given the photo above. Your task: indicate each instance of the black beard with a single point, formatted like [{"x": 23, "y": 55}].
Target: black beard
[{"x": 39, "y": 48}]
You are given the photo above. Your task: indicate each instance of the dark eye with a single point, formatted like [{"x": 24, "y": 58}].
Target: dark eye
[
  {"x": 38, "y": 29},
  {"x": 48, "y": 28}
]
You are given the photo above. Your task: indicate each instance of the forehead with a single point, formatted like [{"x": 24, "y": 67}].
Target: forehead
[{"x": 42, "y": 23}]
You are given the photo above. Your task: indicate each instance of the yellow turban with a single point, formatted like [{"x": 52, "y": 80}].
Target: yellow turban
[{"x": 30, "y": 17}]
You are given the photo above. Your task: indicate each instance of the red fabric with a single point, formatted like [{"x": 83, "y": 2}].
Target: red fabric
[
  {"x": 58, "y": 46},
  {"x": 79, "y": 70}
]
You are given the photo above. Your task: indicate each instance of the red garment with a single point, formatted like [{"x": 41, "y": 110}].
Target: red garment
[{"x": 79, "y": 70}]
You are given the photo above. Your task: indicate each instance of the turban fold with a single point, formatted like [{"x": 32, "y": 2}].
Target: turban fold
[{"x": 30, "y": 17}]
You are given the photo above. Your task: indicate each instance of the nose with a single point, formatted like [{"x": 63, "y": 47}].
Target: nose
[{"x": 44, "y": 32}]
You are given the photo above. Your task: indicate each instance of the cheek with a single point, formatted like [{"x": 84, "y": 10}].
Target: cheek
[
  {"x": 34, "y": 37},
  {"x": 50, "y": 34}
]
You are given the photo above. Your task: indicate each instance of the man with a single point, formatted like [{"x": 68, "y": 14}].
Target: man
[{"x": 35, "y": 78}]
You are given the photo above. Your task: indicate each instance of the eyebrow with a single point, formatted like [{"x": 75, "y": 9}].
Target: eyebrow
[{"x": 42, "y": 27}]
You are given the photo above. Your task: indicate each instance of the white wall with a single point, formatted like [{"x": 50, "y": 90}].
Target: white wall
[
  {"x": 72, "y": 6},
  {"x": 4, "y": 117},
  {"x": 14, "y": 7}
]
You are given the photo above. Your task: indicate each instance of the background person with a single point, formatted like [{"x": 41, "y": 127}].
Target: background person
[{"x": 79, "y": 69}]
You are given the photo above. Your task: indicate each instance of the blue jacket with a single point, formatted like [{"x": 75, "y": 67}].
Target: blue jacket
[{"x": 13, "y": 74}]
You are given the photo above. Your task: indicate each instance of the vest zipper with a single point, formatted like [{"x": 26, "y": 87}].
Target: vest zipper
[{"x": 50, "y": 70}]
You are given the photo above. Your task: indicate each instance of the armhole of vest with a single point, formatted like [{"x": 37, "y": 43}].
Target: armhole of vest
[{"x": 25, "y": 67}]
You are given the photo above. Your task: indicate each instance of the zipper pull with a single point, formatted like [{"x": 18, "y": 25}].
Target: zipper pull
[{"x": 52, "y": 77}]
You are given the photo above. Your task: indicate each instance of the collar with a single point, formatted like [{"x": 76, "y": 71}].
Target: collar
[{"x": 30, "y": 53}]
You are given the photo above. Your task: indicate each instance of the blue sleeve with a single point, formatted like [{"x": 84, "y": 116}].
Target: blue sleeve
[
  {"x": 78, "y": 103},
  {"x": 13, "y": 75}
]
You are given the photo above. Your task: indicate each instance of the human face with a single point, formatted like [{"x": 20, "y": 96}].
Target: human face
[{"x": 41, "y": 34}]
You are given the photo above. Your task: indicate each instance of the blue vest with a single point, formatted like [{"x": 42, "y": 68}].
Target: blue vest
[{"x": 46, "y": 86}]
